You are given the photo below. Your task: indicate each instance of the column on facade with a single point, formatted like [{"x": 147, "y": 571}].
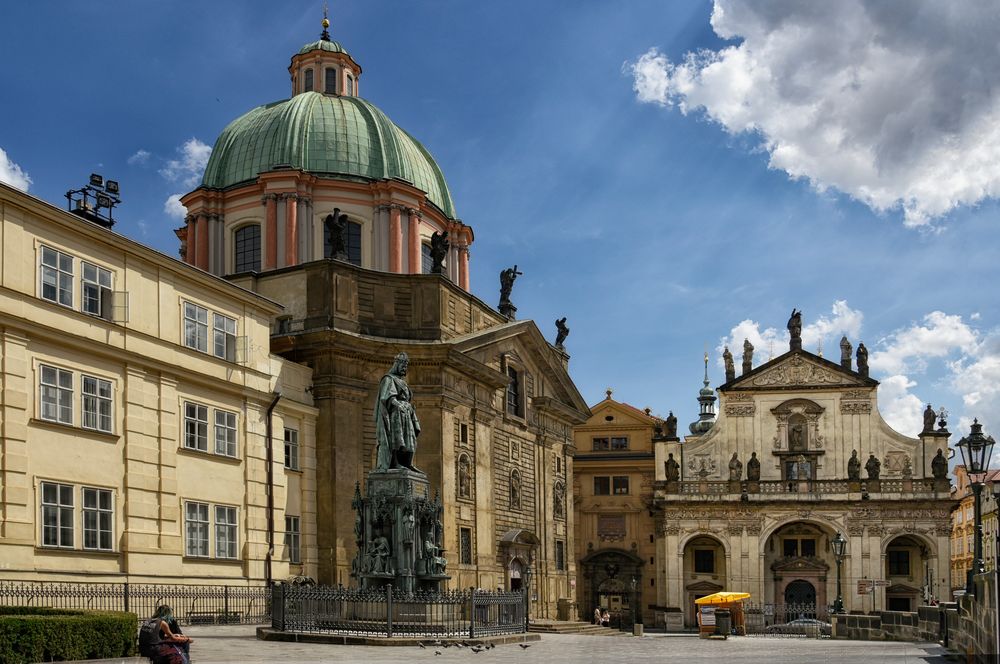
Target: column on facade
[
  {"x": 395, "y": 241},
  {"x": 414, "y": 242},
  {"x": 463, "y": 266},
  {"x": 291, "y": 230},
  {"x": 270, "y": 232},
  {"x": 190, "y": 239},
  {"x": 203, "y": 243},
  {"x": 16, "y": 522},
  {"x": 304, "y": 226}
]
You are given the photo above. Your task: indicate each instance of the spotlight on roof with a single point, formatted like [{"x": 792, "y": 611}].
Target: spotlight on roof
[
  {"x": 96, "y": 180},
  {"x": 96, "y": 200},
  {"x": 103, "y": 201},
  {"x": 111, "y": 186}
]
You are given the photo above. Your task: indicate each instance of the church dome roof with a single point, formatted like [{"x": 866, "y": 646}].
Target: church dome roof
[
  {"x": 326, "y": 135},
  {"x": 323, "y": 45}
]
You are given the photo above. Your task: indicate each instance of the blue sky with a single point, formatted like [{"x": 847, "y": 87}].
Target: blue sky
[{"x": 664, "y": 204}]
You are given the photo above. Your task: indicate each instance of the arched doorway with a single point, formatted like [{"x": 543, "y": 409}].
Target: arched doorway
[
  {"x": 799, "y": 557},
  {"x": 516, "y": 574},
  {"x": 704, "y": 572},
  {"x": 907, "y": 570},
  {"x": 607, "y": 583},
  {"x": 800, "y": 592}
]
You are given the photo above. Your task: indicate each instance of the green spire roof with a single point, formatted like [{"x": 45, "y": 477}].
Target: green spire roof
[
  {"x": 324, "y": 135},
  {"x": 324, "y": 45}
]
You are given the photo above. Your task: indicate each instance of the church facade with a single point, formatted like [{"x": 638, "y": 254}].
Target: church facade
[{"x": 798, "y": 453}]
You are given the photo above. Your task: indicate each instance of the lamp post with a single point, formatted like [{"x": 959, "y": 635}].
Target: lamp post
[
  {"x": 976, "y": 450},
  {"x": 635, "y": 601},
  {"x": 839, "y": 545}
]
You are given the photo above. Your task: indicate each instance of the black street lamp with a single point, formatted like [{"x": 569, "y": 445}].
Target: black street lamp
[
  {"x": 839, "y": 545},
  {"x": 635, "y": 602},
  {"x": 976, "y": 450}
]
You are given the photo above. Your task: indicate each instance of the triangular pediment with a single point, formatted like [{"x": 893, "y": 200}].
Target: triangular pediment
[
  {"x": 800, "y": 564},
  {"x": 704, "y": 587},
  {"x": 624, "y": 415},
  {"x": 901, "y": 589},
  {"x": 796, "y": 370}
]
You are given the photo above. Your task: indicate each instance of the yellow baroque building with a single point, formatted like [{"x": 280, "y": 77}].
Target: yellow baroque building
[{"x": 133, "y": 415}]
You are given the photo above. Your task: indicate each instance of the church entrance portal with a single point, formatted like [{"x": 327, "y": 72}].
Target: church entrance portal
[{"x": 800, "y": 592}]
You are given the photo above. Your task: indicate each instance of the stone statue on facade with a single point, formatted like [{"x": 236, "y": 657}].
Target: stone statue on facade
[
  {"x": 439, "y": 250},
  {"x": 378, "y": 561},
  {"x": 845, "y": 352},
  {"x": 747, "y": 356},
  {"x": 515, "y": 490},
  {"x": 671, "y": 425},
  {"x": 434, "y": 561},
  {"x": 735, "y": 468},
  {"x": 396, "y": 425},
  {"x": 727, "y": 358},
  {"x": 862, "y": 360},
  {"x": 335, "y": 232},
  {"x": 673, "y": 469},
  {"x": 803, "y": 468},
  {"x": 753, "y": 468},
  {"x": 873, "y": 467},
  {"x": 929, "y": 418},
  {"x": 559, "y": 500},
  {"x": 939, "y": 466},
  {"x": 464, "y": 478},
  {"x": 854, "y": 466},
  {"x": 507, "y": 278},
  {"x": 795, "y": 437},
  {"x": 795, "y": 329},
  {"x": 561, "y": 331}
]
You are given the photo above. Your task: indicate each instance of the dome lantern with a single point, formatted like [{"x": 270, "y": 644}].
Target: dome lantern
[{"x": 324, "y": 66}]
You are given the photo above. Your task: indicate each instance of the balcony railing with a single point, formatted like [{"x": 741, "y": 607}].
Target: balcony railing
[{"x": 810, "y": 488}]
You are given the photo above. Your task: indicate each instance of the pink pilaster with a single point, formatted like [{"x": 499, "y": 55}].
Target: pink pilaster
[
  {"x": 395, "y": 241},
  {"x": 463, "y": 267},
  {"x": 414, "y": 243},
  {"x": 191, "y": 240},
  {"x": 202, "y": 256},
  {"x": 291, "y": 231},
  {"x": 271, "y": 233}
]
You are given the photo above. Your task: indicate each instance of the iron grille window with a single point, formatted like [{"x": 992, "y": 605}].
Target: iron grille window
[
  {"x": 97, "y": 404},
  {"x": 195, "y": 426},
  {"x": 426, "y": 260},
  {"x": 704, "y": 561},
  {"x": 560, "y": 555},
  {"x": 225, "y": 433},
  {"x": 465, "y": 545},
  {"x": 57, "y": 514},
  {"x": 225, "y": 532},
  {"x": 291, "y": 449},
  {"x": 224, "y": 337},
  {"x": 309, "y": 80},
  {"x": 196, "y": 327},
  {"x": 56, "y": 395},
  {"x": 513, "y": 392},
  {"x": 620, "y": 485},
  {"x": 293, "y": 536},
  {"x": 57, "y": 277},
  {"x": 899, "y": 562},
  {"x": 196, "y": 529},
  {"x": 247, "y": 257},
  {"x": 330, "y": 83},
  {"x": 96, "y": 287},
  {"x": 602, "y": 486},
  {"x": 98, "y": 517}
]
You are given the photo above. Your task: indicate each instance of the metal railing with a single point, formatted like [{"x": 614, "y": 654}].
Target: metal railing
[
  {"x": 191, "y": 604},
  {"x": 802, "y": 620},
  {"x": 809, "y": 488},
  {"x": 389, "y": 612}
]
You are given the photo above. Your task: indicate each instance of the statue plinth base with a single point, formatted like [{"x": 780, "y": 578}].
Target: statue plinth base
[{"x": 399, "y": 532}]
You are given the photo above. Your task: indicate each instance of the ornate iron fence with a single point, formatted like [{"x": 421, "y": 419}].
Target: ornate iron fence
[
  {"x": 389, "y": 612},
  {"x": 191, "y": 603},
  {"x": 798, "y": 620}
]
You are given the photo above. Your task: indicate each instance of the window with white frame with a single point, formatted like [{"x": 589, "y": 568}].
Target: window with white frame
[
  {"x": 196, "y": 527},
  {"x": 293, "y": 539},
  {"x": 195, "y": 426},
  {"x": 98, "y": 519},
  {"x": 96, "y": 287},
  {"x": 224, "y": 337},
  {"x": 56, "y": 276},
  {"x": 97, "y": 404},
  {"x": 225, "y": 532},
  {"x": 56, "y": 394},
  {"x": 57, "y": 514},
  {"x": 291, "y": 449},
  {"x": 196, "y": 327},
  {"x": 225, "y": 433}
]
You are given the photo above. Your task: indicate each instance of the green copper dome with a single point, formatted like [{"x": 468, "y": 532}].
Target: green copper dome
[
  {"x": 323, "y": 45},
  {"x": 324, "y": 135}
]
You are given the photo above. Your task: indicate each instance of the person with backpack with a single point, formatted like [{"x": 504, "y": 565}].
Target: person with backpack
[{"x": 160, "y": 643}]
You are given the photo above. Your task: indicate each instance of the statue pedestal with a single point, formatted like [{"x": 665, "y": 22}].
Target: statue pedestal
[{"x": 399, "y": 532}]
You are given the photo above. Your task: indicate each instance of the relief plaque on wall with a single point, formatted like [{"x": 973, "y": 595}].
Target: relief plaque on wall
[{"x": 610, "y": 527}]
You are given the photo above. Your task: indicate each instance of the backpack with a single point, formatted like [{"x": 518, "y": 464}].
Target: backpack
[{"x": 149, "y": 636}]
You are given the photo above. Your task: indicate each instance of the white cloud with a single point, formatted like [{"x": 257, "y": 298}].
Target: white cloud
[
  {"x": 908, "y": 349},
  {"x": 189, "y": 167},
  {"x": 139, "y": 158},
  {"x": 11, "y": 173},
  {"x": 891, "y": 103},
  {"x": 172, "y": 206},
  {"x": 900, "y": 409}
]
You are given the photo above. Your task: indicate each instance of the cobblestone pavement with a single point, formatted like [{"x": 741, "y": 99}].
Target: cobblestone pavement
[{"x": 216, "y": 644}]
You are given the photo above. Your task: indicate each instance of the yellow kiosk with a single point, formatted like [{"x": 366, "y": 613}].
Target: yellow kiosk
[{"x": 721, "y": 613}]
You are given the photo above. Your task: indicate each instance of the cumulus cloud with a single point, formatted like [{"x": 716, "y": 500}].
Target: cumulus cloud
[
  {"x": 12, "y": 174},
  {"x": 901, "y": 409},
  {"x": 771, "y": 341},
  {"x": 894, "y": 104},
  {"x": 190, "y": 165},
  {"x": 908, "y": 349},
  {"x": 172, "y": 206},
  {"x": 139, "y": 158}
]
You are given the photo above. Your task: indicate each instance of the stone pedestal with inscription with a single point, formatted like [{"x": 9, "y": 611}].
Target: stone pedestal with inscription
[{"x": 398, "y": 530}]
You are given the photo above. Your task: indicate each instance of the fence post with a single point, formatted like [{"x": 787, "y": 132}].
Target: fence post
[
  {"x": 472, "y": 612},
  {"x": 225, "y": 603},
  {"x": 125, "y": 591},
  {"x": 278, "y": 606},
  {"x": 388, "y": 610}
]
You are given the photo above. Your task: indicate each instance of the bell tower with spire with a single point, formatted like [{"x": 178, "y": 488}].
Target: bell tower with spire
[{"x": 706, "y": 403}]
